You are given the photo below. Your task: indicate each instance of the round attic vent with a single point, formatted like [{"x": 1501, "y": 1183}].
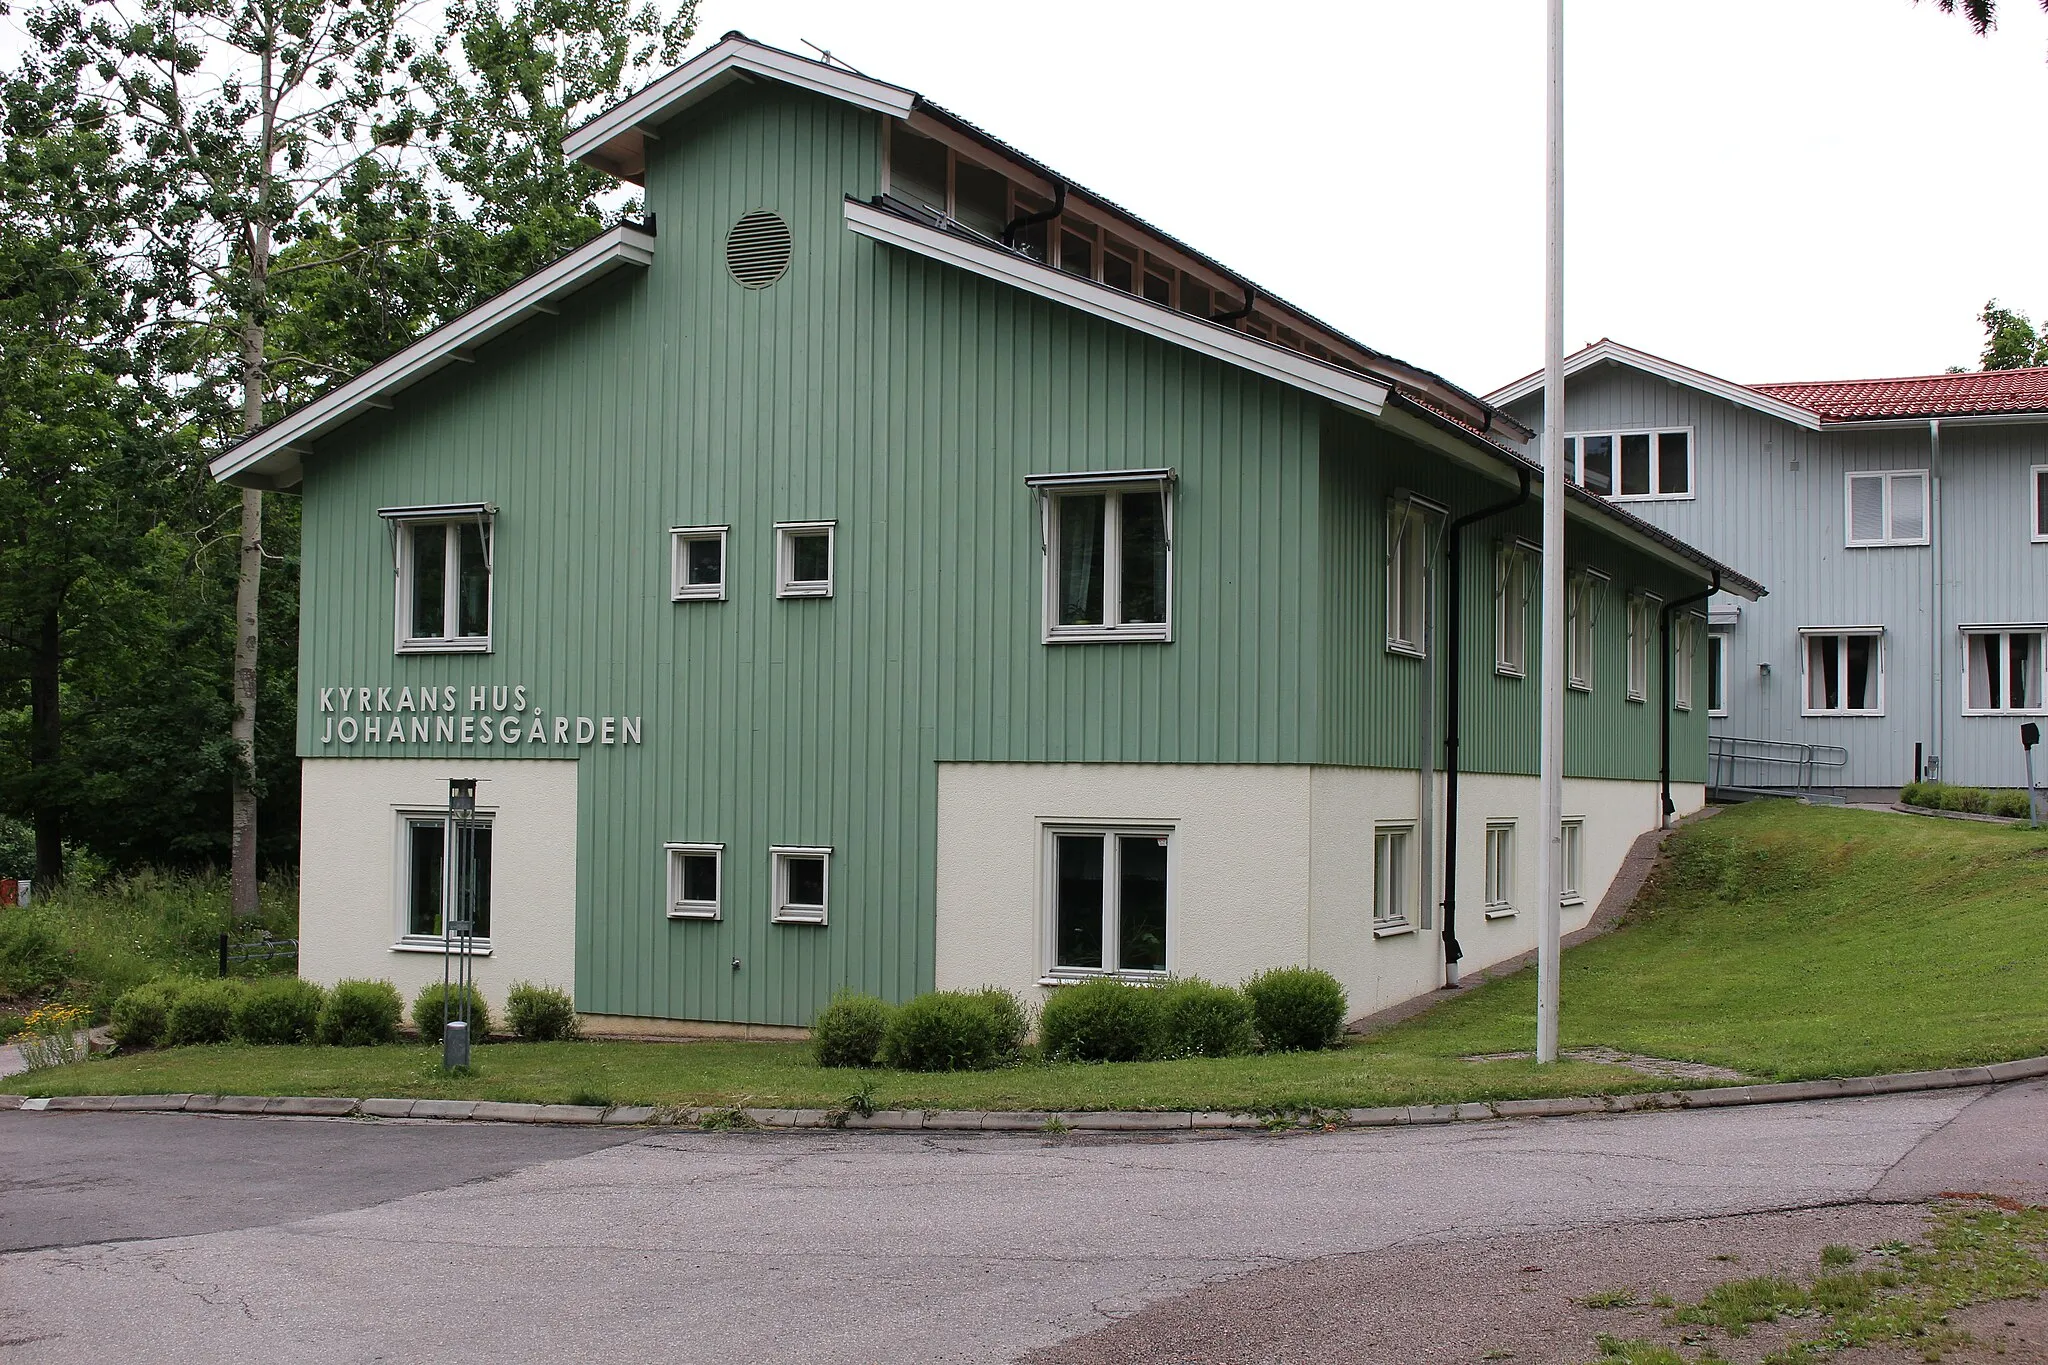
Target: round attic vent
[{"x": 757, "y": 249}]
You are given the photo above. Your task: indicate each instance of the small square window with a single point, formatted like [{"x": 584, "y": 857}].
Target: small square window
[
  {"x": 2003, "y": 672},
  {"x": 803, "y": 558},
  {"x": 696, "y": 881},
  {"x": 1500, "y": 869},
  {"x": 1844, "y": 671},
  {"x": 444, "y": 578},
  {"x": 1888, "y": 508},
  {"x": 699, "y": 563},
  {"x": 1109, "y": 556},
  {"x": 802, "y": 882}
]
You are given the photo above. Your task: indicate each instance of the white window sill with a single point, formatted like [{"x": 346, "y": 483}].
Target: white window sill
[
  {"x": 479, "y": 947},
  {"x": 708, "y": 912},
  {"x": 1585, "y": 687},
  {"x": 1500, "y": 912},
  {"x": 1108, "y": 635},
  {"x": 788, "y": 915},
  {"x": 1078, "y": 975},
  {"x": 1392, "y": 928},
  {"x": 1684, "y": 706},
  {"x": 1886, "y": 545},
  {"x": 804, "y": 590},
  {"x": 1842, "y": 715},
  {"x": 700, "y": 594},
  {"x": 473, "y": 644},
  {"x": 1571, "y": 898},
  {"x": 1638, "y": 698},
  {"x": 1405, "y": 649},
  {"x": 1722, "y": 714},
  {"x": 1650, "y": 497},
  {"x": 1995, "y": 715},
  {"x": 1502, "y": 670}
]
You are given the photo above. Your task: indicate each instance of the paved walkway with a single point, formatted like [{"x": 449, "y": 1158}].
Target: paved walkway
[{"x": 324, "y": 1240}]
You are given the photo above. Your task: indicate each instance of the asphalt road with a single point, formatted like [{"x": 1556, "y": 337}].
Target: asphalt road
[{"x": 356, "y": 1241}]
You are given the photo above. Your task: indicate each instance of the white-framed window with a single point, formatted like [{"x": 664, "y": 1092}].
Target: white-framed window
[
  {"x": 1411, "y": 538},
  {"x": 429, "y": 880},
  {"x": 1632, "y": 466},
  {"x": 1582, "y": 614},
  {"x": 1844, "y": 670},
  {"x": 1393, "y": 880},
  {"x": 1887, "y": 508},
  {"x": 1109, "y": 899},
  {"x": 1514, "y": 566},
  {"x": 1500, "y": 869},
  {"x": 697, "y": 563},
  {"x": 2037, "y": 485},
  {"x": 1108, "y": 543},
  {"x": 1717, "y": 672},
  {"x": 804, "y": 552},
  {"x": 1571, "y": 860},
  {"x": 1684, "y": 660},
  {"x": 2003, "y": 671},
  {"x": 696, "y": 880},
  {"x": 442, "y": 557},
  {"x": 800, "y": 882},
  {"x": 1642, "y": 626}
]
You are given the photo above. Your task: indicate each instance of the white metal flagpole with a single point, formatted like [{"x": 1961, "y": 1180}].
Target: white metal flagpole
[{"x": 1550, "y": 769}]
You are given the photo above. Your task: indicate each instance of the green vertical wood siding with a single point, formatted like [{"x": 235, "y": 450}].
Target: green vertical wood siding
[{"x": 907, "y": 401}]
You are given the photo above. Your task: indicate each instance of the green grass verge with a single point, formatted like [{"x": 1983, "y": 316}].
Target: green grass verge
[{"x": 1783, "y": 941}]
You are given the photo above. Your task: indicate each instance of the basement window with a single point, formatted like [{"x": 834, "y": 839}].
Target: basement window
[
  {"x": 1109, "y": 889},
  {"x": 695, "y": 880},
  {"x": 1887, "y": 509},
  {"x": 2002, "y": 671},
  {"x": 1500, "y": 869},
  {"x": 1844, "y": 668},
  {"x": 802, "y": 882},
  {"x": 1108, "y": 543},
  {"x": 1393, "y": 880},
  {"x": 443, "y": 562},
  {"x": 1571, "y": 861}
]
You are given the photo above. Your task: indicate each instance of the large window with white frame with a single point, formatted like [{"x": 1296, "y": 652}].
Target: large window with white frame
[
  {"x": 804, "y": 553},
  {"x": 1632, "y": 466},
  {"x": 1844, "y": 670},
  {"x": 432, "y": 866},
  {"x": 1108, "y": 541},
  {"x": 1717, "y": 672},
  {"x": 1500, "y": 869},
  {"x": 1684, "y": 661},
  {"x": 2037, "y": 487},
  {"x": 1582, "y": 614},
  {"x": 1412, "y": 524},
  {"x": 696, "y": 881},
  {"x": 2003, "y": 670},
  {"x": 697, "y": 563},
  {"x": 1888, "y": 508},
  {"x": 443, "y": 562},
  {"x": 1394, "y": 882},
  {"x": 1514, "y": 571},
  {"x": 1109, "y": 905},
  {"x": 1571, "y": 860},
  {"x": 1642, "y": 625},
  {"x": 800, "y": 882}
]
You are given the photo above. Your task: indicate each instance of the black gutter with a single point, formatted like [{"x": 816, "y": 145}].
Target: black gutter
[
  {"x": 1453, "y": 539},
  {"x": 1017, "y": 225},
  {"x": 1251, "y": 297},
  {"x": 1664, "y": 721}
]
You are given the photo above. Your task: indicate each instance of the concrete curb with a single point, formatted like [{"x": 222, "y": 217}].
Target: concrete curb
[{"x": 1015, "y": 1121}]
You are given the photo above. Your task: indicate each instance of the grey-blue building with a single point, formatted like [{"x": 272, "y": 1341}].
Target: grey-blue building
[{"x": 1901, "y": 523}]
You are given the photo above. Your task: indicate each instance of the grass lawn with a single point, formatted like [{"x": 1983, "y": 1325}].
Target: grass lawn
[{"x": 1784, "y": 941}]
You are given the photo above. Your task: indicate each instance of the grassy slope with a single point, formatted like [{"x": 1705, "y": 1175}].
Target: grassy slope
[{"x": 1781, "y": 940}]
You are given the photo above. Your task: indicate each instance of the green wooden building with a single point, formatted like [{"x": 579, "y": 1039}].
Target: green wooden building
[{"x": 892, "y": 565}]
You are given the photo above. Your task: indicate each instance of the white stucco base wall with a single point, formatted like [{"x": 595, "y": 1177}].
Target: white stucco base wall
[
  {"x": 349, "y": 860},
  {"x": 1270, "y": 865}
]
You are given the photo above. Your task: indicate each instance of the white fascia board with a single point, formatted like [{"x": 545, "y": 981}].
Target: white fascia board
[
  {"x": 1601, "y": 352},
  {"x": 711, "y": 70},
  {"x": 1340, "y": 386},
  {"x": 261, "y": 458},
  {"x": 1976, "y": 419}
]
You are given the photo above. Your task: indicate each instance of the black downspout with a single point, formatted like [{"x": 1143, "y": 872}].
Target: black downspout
[
  {"x": 1664, "y": 721},
  {"x": 1251, "y": 297},
  {"x": 1454, "y": 628},
  {"x": 1017, "y": 225}
]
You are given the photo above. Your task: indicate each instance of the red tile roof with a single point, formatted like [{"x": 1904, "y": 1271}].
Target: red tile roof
[{"x": 1933, "y": 395}]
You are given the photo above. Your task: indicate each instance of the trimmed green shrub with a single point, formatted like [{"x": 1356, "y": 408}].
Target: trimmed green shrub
[
  {"x": 428, "y": 1010},
  {"x": 1199, "y": 1018},
  {"x": 2010, "y": 802},
  {"x": 1012, "y": 1021},
  {"x": 1099, "y": 1021},
  {"x": 360, "y": 1014},
  {"x": 944, "y": 1031},
  {"x": 279, "y": 1010},
  {"x": 849, "y": 1031},
  {"x": 540, "y": 1014},
  {"x": 141, "y": 1017},
  {"x": 1296, "y": 1009},
  {"x": 204, "y": 1012}
]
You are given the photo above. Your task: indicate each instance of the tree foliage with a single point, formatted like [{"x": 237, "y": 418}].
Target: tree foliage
[{"x": 2011, "y": 341}]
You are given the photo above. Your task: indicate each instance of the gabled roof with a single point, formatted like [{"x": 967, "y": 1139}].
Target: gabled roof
[
  {"x": 269, "y": 456},
  {"x": 1975, "y": 394},
  {"x": 1606, "y": 351}
]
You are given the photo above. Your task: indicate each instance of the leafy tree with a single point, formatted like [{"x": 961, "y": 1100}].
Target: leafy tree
[
  {"x": 2011, "y": 342},
  {"x": 1982, "y": 14}
]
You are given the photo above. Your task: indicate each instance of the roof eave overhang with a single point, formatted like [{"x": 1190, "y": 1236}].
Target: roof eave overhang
[
  {"x": 1968, "y": 419},
  {"x": 1613, "y": 352},
  {"x": 616, "y": 140},
  {"x": 271, "y": 458},
  {"x": 1346, "y": 388}
]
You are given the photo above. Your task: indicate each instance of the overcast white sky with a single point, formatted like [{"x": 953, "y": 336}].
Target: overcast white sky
[{"x": 1767, "y": 189}]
